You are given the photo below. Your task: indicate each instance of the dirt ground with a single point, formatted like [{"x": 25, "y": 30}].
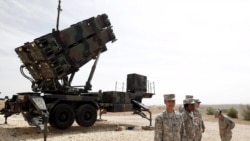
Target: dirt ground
[{"x": 18, "y": 129}]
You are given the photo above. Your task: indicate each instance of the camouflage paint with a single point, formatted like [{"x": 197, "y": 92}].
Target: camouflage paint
[{"x": 60, "y": 53}]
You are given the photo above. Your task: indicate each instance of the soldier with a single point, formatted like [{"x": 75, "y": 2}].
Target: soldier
[
  {"x": 181, "y": 108},
  {"x": 225, "y": 126},
  {"x": 201, "y": 125},
  {"x": 168, "y": 124},
  {"x": 190, "y": 121}
]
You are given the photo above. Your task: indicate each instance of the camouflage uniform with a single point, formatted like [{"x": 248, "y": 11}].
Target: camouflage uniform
[
  {"x": 168, "y": 127},
  {"x": 201, "y": 125},
  {"x": 226, "y": 125},
  {"x": 190, "y": 126}
]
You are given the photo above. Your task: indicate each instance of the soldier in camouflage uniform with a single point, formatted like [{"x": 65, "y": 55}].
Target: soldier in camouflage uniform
[
  {"x": 181, "y": 108},
  {"x": 201, "y": 125},
  {"x": 190, "y": 121},
  {"x": 225, "y": 126},
  {"x": 168, "y": 124}
]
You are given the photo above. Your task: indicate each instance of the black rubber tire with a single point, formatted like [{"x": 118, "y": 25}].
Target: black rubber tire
[
  {"x": 62, "y": 116},
  {"x": 86, "y": 115}
]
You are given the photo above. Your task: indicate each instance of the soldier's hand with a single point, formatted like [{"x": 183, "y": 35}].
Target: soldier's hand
[
  {"x": 203, "y": 130},
  {"x": 225, "y": 131}
]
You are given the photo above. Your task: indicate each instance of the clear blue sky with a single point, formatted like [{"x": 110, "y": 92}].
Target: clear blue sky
[{"x": 185, "y": 47}]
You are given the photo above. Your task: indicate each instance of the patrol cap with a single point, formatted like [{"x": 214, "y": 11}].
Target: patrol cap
[
  {"x": 184, "y": 101},
  {"x": 189, "y": 96},
  {"x": 188, "y": 101},
  {"x": 169, "y": 97},
  {"x": 216, "y": 113},
  {"x": 197, "y": 101}
]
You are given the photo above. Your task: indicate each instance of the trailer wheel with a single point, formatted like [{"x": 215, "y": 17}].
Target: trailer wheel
[
  {"x": 86, "y": 115},
  {"x": 61, "y": 116}
]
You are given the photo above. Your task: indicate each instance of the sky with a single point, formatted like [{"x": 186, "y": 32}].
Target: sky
[{"x": 194, "y": 47}]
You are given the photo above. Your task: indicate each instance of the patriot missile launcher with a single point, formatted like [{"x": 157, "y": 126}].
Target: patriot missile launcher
[{"x": 52, "y": 61}]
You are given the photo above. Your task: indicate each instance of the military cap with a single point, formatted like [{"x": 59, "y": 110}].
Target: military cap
[
  {"x": 197, "y": 101},
  {"x": 189, "y": 96},
  {"x": 188, "y": 101},
  {"x": 184, "y": 101},
  {"x": 216, "y": 113},
  {"x": 169, "y": 97}
]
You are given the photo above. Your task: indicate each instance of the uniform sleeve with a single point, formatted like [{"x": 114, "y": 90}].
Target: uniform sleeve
[
  {"x": 158, "y": 129},
  {"x": 182, "y": 132},
  {"x": 231, "y": 124},
  {"x": 202, "y": 124}
]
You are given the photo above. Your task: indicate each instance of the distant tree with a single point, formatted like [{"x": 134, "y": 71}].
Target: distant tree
[
  {"x": 246, "y": 113},
  {"x": 210, "y": 111},
  {"x": 233, "y": 113}
]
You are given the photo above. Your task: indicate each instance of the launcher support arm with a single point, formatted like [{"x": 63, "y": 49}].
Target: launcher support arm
[{"x": 88, "y": 85}]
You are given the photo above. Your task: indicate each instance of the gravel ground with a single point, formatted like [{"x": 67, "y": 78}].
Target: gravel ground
[{"x": 18, "y": 130}]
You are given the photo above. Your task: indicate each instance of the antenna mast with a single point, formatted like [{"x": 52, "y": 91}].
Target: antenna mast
[{"x": 58, "y": 14}]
